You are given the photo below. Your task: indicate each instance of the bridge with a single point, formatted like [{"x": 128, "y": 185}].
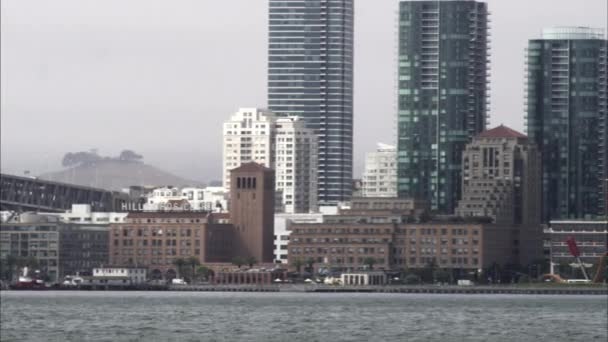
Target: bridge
[{"x": 32, "y": 194}]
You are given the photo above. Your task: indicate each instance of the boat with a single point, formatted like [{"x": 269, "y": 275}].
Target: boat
[{"x": 26, "y": 282}]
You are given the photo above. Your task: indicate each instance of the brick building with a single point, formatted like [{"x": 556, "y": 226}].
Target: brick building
[
  {"x": 349, "y": 246},
  {"x": 155, "y": 239}
]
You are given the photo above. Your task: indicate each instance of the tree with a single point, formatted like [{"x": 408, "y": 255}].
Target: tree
[
  {"x": 8, "y": 268},
  {"x": 238, "y": 262},
  {"x": 310, "y": 262},
  {"x": 78, "y": 158},
  {"x": 193, "y": 262},
  {"x": 203, "y": 272},
  {"x": 369, "y": 262},
  {"x": 128, "y": 155},
  {"x": 427, "y": 273},
  {"x": 32, "y": 262},
  {"x": 411, "y": 279},
  {"x": 442, "y": 276},
  {"x": 179, "y": 263},
  {"x": 251, "y": 261},
  {"x": 298, "y": 263}
]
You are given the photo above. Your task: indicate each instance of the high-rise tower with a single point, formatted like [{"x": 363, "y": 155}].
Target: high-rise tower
[
  {"x": 566, "y": 118},
  {"x": 310, "y": 74},
  {"x": 442, "y": 98}
]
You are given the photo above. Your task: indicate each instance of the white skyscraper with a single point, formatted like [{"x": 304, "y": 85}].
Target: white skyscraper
[
  {"x": 380, "y": 175},
  {"x": 248, "y": 136},
  {"x": 296, "y": 165},
  {"x": 283, "y": 144}
]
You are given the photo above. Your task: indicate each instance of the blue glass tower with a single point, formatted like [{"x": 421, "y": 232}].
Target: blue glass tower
[{"x": 310, "y": 74}]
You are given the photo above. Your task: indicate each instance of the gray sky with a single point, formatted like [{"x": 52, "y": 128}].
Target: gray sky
[{"x": 160, "y": 77}]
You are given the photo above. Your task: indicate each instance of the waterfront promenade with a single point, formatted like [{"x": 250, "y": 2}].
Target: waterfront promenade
[{"x": 421, "y": 289}]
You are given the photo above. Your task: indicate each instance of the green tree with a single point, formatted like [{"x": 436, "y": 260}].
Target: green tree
[
  {"x": 442, "y": 276},
  {"x": 427, "y": 273},
  {"x": 251, "y": 261},
  {"x": 11, "y": 263},
  {"x": 193, "y": 262},
  {"x": 298, "y": 263},
  {"x": 411, "y": 279},
  {"x": 32, "y": 262},
  {"x": 238, "y": 262},
  {"x": 203, "y": 272},
  {"x": 179, "y": 263},
  {"x": 369, "y": 262},
  {"x": 310, "y": 262}
]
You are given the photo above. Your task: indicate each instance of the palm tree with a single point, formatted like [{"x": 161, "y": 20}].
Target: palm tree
[
  {"x": 10, "y": 263},
  {"x": 179, "y": 263},
  {"x": 193, "y": 262},
  {"x": 203, "y": 271},
  {"x": 238, "y": 262},
  {"x": 369, "y": 262},
  {"x": 298, "y": 263},
  {"x": 32, "y": 262},
  {"x": 251, "y": 261},
  {"x": 309, "y": 264}
]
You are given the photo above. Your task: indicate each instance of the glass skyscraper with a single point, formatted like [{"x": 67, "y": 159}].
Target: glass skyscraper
[
  {"x": 310, "y": 74},
  {"x": 566, "y": 117},
  {"x": 442, "y": 99}
]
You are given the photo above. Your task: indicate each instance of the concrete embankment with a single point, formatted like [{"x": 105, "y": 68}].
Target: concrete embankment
[{"x": 553, "y": 290}]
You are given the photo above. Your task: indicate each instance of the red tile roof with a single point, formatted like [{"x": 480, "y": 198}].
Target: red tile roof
[{"x": 501, "y": 132}]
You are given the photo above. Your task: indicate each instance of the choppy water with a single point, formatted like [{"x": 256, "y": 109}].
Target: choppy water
[{"x": 196, "y": 316}]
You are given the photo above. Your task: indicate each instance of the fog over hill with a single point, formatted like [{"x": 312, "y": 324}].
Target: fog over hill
[{"x": 113, "y": 173}]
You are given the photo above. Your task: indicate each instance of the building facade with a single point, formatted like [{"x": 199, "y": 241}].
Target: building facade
[
  {"x": 154, "y": 240},
  {"x": 566, "y": 117},
  {"x": 133, "y": 275},
  {"x": 33, "y": 238},
  {"x": 252, "y": 211},
  {"x": 501, "y": 178},
  {"x": 248, "y": 136},
  {"x": 63, "y": 244},
  {"x": 310, "y": 74},
  {"x": 209, "y": 199},
  {"x": 380, "y": 175},
  {"x": 295, "y": 165},
  {"x": 282, "y": 222},
  {"x": 458, "y": 246},
  {"x": 284, "y": 144},
  {"x": 591, "y": 238},
  {"x": 442, "y": 95}
]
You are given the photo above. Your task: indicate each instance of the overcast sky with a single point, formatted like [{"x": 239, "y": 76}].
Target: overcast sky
[{"x": 160, "y": 77}]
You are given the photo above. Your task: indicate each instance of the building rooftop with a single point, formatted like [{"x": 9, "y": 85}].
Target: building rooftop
[
  {"x": 572, "y": 33},
  {"x": 501, "y": 131},
  {"x": 167, "y": 214},
  {"x": 250, "y": 167}
]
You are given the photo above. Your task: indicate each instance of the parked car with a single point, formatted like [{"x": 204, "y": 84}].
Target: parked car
[{"x": 178, "y": 281}]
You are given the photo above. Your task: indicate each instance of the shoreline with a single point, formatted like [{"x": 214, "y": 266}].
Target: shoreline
[{"x": 403, "y": 289}]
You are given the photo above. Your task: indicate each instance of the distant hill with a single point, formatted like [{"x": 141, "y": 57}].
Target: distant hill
[{"x": 112, "y": 174}]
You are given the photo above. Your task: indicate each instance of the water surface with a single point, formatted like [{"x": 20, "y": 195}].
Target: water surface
[{"x": 230, "y": 316}]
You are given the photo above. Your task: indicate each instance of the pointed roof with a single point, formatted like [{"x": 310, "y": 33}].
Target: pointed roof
[{"x": 501, "y": 131}]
